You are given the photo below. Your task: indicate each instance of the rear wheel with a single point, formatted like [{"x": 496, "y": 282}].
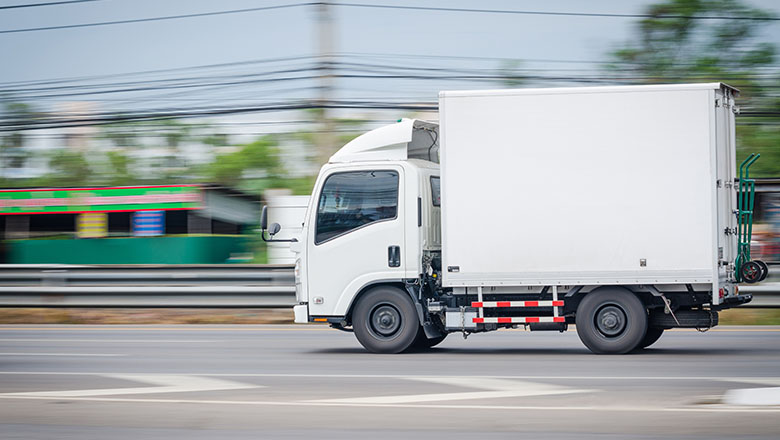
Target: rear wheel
[
  {"x": 385, "y": 320},
  {"x": 652, "y": 335},
  {"x": 611, "y": 321}
]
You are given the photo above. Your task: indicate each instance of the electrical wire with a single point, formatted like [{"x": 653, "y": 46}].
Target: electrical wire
[
  {"x": 384, "y": 6},
  {"x": 551, "y": 13},
  {"x": 35, "y": 5},
  {"x": 148, "y": 19}
]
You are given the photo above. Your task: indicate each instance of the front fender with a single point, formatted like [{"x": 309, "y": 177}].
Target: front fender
[{"x": 350, "y": 292}]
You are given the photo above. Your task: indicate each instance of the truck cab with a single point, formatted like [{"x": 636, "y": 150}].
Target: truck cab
[{"x": 374, "y": 214}]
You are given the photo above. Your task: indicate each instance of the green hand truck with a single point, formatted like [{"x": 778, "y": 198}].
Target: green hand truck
[{"x": 745, "y": 269}]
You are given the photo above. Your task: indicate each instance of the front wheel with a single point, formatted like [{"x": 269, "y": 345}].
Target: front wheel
[
  {"x": 611, "y": 321},
  {"x": 385, "y": 320}
]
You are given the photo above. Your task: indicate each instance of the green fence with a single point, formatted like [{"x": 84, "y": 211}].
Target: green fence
[{"x": 213, "y": 249}]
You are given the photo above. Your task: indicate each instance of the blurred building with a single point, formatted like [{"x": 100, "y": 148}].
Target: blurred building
[
  {"x": 161, "y": 224},
  {"x": 79, "y": 137}
]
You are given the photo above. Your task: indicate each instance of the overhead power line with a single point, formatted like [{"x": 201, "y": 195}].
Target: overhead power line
[
  {"x": 35, "y": 5},
  {"x": 566, "y": 14},
  {"x": 167, "y": 17},
  {"x": 113, "y": 117},
  {"x": 379, "y": 6}
]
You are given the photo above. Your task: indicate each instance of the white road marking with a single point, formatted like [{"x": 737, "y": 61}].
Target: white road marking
[
  {"x": 611, "y": 409},
  {"x": 163, "y": 383},
  {"x": 753, "y": 396},
  {"x": 110, "y": 341},
  {"x": 498, "y": 388},
  {"x": 755, "y": 379},
  {"x": 63, "y": 354}
]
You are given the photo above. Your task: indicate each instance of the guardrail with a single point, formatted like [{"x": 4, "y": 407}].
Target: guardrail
[
  {"x": 250, "y": 286},
  {"x": 228, "y": 286}
]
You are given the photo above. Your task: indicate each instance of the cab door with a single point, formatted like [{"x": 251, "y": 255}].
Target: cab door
[{"x": 356, "y": 235}]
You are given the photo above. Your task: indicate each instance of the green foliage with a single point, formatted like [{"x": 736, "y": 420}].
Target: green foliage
[
  {"x": 68, "y": 169},
  {"x": 119, "y": 172},
  {"x": 511, "y": 73},
  {"x": 257, "y": 161},
  {"x": 684, "y": 47}
]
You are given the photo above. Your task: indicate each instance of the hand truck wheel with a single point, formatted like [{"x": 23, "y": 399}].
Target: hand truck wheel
[
  {"x": 751, "y": 272},
  {"x": 764, "y": 270}
]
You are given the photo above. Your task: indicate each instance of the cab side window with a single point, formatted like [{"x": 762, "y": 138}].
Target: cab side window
[{"x": 354, "y": 199}]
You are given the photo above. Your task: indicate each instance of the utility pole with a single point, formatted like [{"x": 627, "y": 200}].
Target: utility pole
[{"x": 325, "y": 141}]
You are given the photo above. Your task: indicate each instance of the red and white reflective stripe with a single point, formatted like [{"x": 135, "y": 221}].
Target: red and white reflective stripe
[
  {"x": 519, "y": 320},
  {"x": 517, "y": 304}
]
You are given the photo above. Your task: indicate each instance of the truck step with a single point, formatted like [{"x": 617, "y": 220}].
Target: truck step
[
  {"x": 519, "y": 320},
  {"x": 487, "y": 304}
]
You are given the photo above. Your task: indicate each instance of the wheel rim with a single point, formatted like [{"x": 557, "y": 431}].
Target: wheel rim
[
  {"x": 751, "y": 272},
  {"x": 385, "y": 321},
  {"x": 611, "y": 321}
]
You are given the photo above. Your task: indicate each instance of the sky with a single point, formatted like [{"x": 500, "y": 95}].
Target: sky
[{"x": 380, "y": 37}]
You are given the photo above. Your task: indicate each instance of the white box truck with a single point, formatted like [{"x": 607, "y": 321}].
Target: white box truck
[{"x": 612, "y": 208}]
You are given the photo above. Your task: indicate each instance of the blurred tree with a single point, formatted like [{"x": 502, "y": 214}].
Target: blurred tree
[
  {"x": 174, "y": 133},
  {"x": 511, "y": 74},
  {"x": 215, "y": 139},
  {"x": 122, "y": 134},
  {"x": 684, "y": 48},
  {"x": 68, "y": 169},
  {"x": 252, "y": 168},
  {"x": 119, "y": 172},
  {"x": 12, "y": 151}
]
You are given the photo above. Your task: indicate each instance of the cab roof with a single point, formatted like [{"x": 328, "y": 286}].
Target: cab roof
[{"x": 406, "y": 139}]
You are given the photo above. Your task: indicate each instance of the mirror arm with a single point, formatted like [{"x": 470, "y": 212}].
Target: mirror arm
[{"x": 272, "y": 240}]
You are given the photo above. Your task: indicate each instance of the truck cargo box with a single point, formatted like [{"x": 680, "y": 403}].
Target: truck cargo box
[{"x": 581, "y": 186}]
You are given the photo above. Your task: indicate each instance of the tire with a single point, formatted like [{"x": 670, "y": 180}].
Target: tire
[
  {"x": 611, "y": 321},
  {"x": 751, "y": 272},
  {"x": 385, "y": 320},
  {"x": 652, "y": 335},
  {"x": 764, "y": 270},
  {"x": 423, "y": 343}
]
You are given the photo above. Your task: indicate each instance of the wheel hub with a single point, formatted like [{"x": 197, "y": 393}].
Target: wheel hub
[
  {"x": 385, "y": 320},
  {"x": 611, "y": 321}
]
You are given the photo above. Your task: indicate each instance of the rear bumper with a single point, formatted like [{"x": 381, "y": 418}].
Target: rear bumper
[{"x": 733, "y": 301}]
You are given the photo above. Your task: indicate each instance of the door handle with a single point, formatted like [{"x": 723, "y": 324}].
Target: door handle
[{"x": 394, "y": 256}]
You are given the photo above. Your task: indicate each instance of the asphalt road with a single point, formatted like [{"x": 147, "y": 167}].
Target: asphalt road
[{"x": 279, "y": 382}]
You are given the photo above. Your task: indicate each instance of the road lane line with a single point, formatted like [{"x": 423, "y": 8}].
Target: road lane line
[
  {"x": 316, "y": 328},
  {"x": 113, "y": 341},
  {"x": 611, "y": 409},
  {"x": 497, "y": 389},
  {"x": 64, "y": 354},
  {"x": 163, "y": 383},
  {"x": 200, "y": 329},
  {"x": 766, "y": 380}
]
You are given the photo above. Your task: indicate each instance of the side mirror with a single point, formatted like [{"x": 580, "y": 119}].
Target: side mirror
[
  {"x": 264, "y": 218},
  {"x": 272, "y": 230}
]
